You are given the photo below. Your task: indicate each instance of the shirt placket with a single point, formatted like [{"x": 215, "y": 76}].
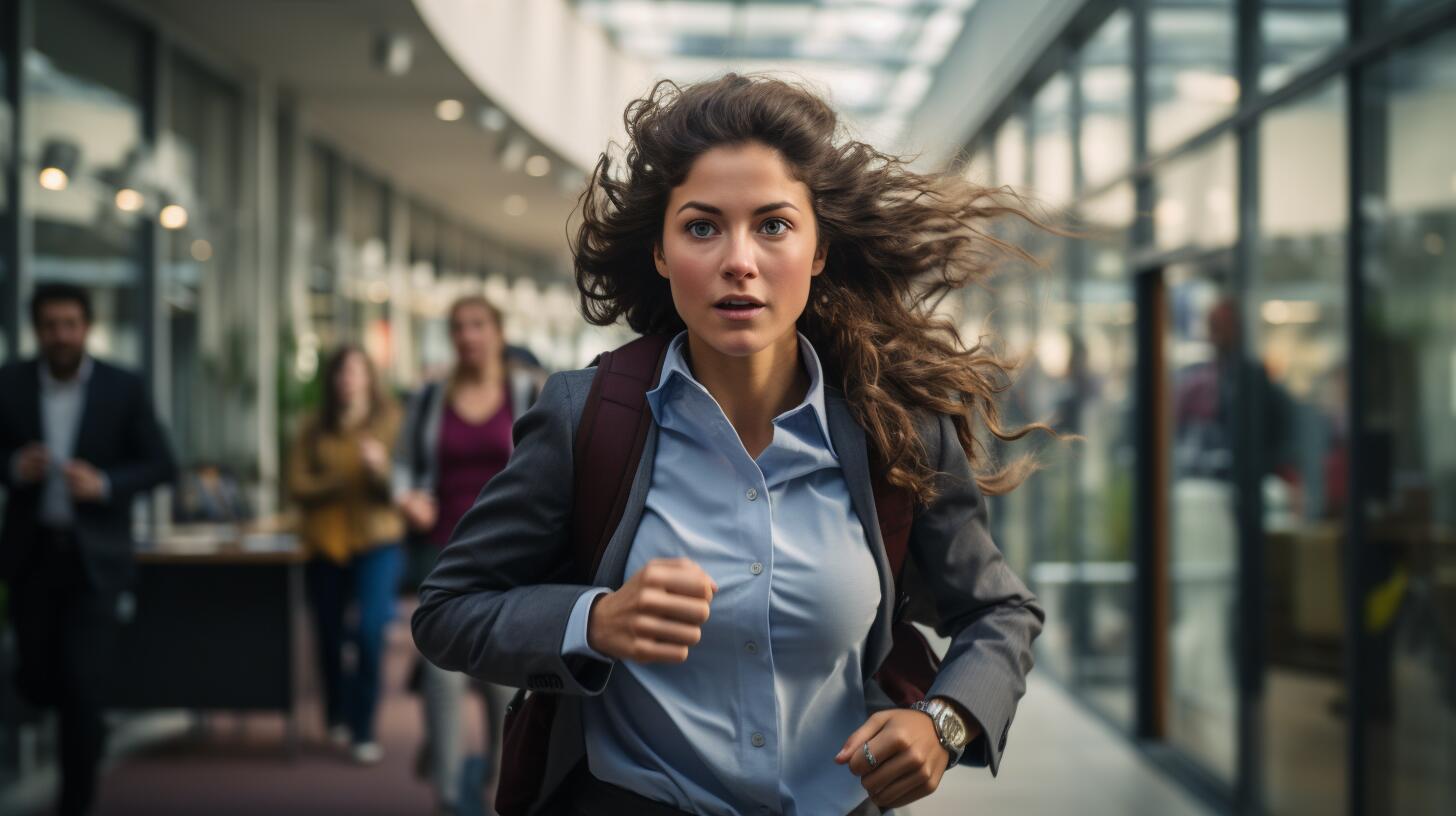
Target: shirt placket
[{"x": 759, "y": 731}]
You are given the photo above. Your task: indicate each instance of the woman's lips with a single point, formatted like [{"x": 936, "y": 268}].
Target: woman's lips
[{"x": 744, "y": 312}]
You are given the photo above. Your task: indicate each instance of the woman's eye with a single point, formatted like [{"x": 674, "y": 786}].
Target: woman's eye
[
  {"x": 700, "y": 229},
  {"x": 775, "y": 226}
]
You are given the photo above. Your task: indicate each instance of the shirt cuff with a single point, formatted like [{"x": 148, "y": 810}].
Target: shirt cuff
[{"x": 574, "y": 642}]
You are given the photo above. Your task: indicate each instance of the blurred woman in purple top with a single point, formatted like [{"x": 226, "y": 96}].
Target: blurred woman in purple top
[{"x": 457, "y": 435}]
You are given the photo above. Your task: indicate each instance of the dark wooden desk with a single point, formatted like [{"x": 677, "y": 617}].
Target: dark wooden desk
[{"x": 216, "y": 625}]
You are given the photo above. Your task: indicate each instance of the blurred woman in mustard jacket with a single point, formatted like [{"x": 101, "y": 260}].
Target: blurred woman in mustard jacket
[{"x": 339, "y": 473}]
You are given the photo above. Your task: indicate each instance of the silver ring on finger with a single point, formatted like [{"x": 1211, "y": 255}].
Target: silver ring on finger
[{"x": 869, "y": 757}]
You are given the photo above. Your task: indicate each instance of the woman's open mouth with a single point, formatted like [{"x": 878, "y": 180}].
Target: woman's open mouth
[{"x": 738, "y": 308}]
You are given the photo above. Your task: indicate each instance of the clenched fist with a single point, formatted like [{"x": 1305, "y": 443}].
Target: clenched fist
[{"x": 656, "y": 616}]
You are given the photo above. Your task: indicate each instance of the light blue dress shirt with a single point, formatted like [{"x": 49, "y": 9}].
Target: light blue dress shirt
[{"x": 751, "y": 722}]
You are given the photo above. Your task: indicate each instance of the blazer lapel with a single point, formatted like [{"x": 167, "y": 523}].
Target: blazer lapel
[
  {"x": 611, "y": 572},
  {"x": 30, "y": 408},
  {"x": 91, "y": 412},
  {"x": 849, "y": 443}
]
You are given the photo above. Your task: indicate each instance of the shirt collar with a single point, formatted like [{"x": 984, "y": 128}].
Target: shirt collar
[
  {"x": 675, "y": 369},
  {"x": 83, "y": 374}
]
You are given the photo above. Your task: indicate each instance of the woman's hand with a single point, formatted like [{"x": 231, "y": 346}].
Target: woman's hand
[
  {"x": 909, "y": 759},
  {"x": 656, "y": 616},
  {"x": 375, "y": 456},
  {"x": 420, "y": 511}
]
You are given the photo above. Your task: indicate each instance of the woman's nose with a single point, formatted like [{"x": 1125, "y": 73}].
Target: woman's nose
[{"x": 739, "y": 262}]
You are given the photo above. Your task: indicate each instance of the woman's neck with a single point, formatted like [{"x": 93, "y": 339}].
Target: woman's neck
[
  {"x": 752, "y": 390},
  {"x": 353, "y": 414},
  {"x": 489, "y": 372}
]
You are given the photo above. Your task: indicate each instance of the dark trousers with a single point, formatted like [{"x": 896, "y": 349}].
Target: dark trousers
[
  {"x": 370, "y": 581},
  {"x": 66, "y": 632}
]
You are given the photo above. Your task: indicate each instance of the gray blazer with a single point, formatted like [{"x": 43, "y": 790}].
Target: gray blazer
[{"x": 497, "y": 603}]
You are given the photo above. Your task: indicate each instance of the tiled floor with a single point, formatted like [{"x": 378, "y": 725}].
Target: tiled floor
[{"x": 1060, "y": 760}]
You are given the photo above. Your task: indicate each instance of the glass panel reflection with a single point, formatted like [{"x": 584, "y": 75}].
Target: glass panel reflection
[
  {"x": 1106, "y": 80},
  {"x": 209, "y": 305},
  {"x": 1051, "y": 157},
  {"x": 83, "y": 83},
  {"x": 1201, "y": 348},
  {"x": 1196, "y": 203},
  {"x": 1409, "y": 567},
  {"x": 1191, "y": 79},
  {"x": 1104, "y": 364},
  {"x": 1300, "y": 328},
  {"x": 1297, "y": 34}
]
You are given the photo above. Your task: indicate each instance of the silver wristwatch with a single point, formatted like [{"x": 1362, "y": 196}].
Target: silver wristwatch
[{"x": 948, "y": 726}]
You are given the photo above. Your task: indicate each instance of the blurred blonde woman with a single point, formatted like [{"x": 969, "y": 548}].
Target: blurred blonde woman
[
  {"x": 457, "y": 436},
  {"x": 339, "y": 473}
]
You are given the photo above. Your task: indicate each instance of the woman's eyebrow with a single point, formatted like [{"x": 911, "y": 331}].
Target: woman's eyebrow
[{"x": 709, "y": 208}]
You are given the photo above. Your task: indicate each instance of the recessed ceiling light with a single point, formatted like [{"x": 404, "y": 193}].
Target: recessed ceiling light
[
  {"x": 538, "y": 166},
  {"x": 449, "y": 110},
  {"x": 173, "y": 216},
  {"x": 54, "y": 179},
  {"x": 515, "y": 205},
  {"x": 129, "y": 200}
]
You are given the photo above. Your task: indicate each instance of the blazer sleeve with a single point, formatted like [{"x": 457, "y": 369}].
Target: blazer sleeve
[
  {"x": 405, "y": 478},
  {"x": 490, "y": 607},
  {"x": 989, "y": 614},
  {"x": 147, "y": 457}
]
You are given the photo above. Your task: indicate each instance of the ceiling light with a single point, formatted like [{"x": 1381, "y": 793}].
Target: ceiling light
[
  {"x": 515, "y": 205},
  {"x": 394, "y": 54},
  {"x": 493, "y": 119},
  {"x": 58, "y": 162},
  {"x": 54, "y": 179},
  {"x": 449, "y": 110},
  {"x": 538, "y": 166},
  {"x": 173, "y": 216},
  {"x": 129, "y": 200},
  {"x": 513, "y": 152},
  {"x": 201, "y": 250}
]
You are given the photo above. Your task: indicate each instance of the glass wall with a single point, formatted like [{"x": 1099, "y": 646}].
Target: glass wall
[
  {"x": 87, "y": 158},
  {"x": 1297, "y": 34},
  {"x": 1107, "y": 82},
  {"x": 1409, "y": 563},
  {"x": 1317, "y": 514},
  {"x": 209, "y": 307},
  {"x": 1298, "y": 397},
  {"x": 1191, "y": 79},
  {"x": 1105, "y": 360}
]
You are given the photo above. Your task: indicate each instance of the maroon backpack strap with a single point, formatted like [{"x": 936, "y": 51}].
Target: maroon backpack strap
[
  {"x": 895, "y": 508},
  {"x": 609, "y": 441}
]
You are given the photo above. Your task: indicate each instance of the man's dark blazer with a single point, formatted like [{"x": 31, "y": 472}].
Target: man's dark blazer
[{"x": 118, "y": 435}]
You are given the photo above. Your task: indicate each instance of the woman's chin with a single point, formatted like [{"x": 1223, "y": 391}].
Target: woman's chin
[{"x": 736, "y": 342}]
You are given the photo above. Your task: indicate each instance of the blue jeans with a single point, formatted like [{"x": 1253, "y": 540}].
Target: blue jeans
[{"x": 371, "y": 580}]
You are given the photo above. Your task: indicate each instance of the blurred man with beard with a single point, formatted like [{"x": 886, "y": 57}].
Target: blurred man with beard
[{"x": 78, "y": 441}]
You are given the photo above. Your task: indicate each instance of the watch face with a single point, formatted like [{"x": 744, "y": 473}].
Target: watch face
[{"x": 953, "y": 729}]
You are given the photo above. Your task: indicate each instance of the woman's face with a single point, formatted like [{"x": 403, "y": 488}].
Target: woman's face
[
  {"x": 475, "y": 335},
  {"x": 739, "y": 247},
  {"x": 352, "y": 380}
]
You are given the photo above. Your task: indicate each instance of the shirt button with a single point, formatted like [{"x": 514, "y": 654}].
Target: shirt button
[
  {"x": 755, "y": 568},
  {"x": 757, "y": 740},
  {"x": 751, "y": 494},
  {"x": 751, "y": 647}
]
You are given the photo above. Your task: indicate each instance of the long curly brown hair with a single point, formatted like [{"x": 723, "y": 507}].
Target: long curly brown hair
[{"x": 897, "y": 242}]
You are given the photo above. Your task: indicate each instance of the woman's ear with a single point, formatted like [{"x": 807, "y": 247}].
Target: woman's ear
[
  {"x": 820, "y": 256},
  {"x": 658, "y": 259}
]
